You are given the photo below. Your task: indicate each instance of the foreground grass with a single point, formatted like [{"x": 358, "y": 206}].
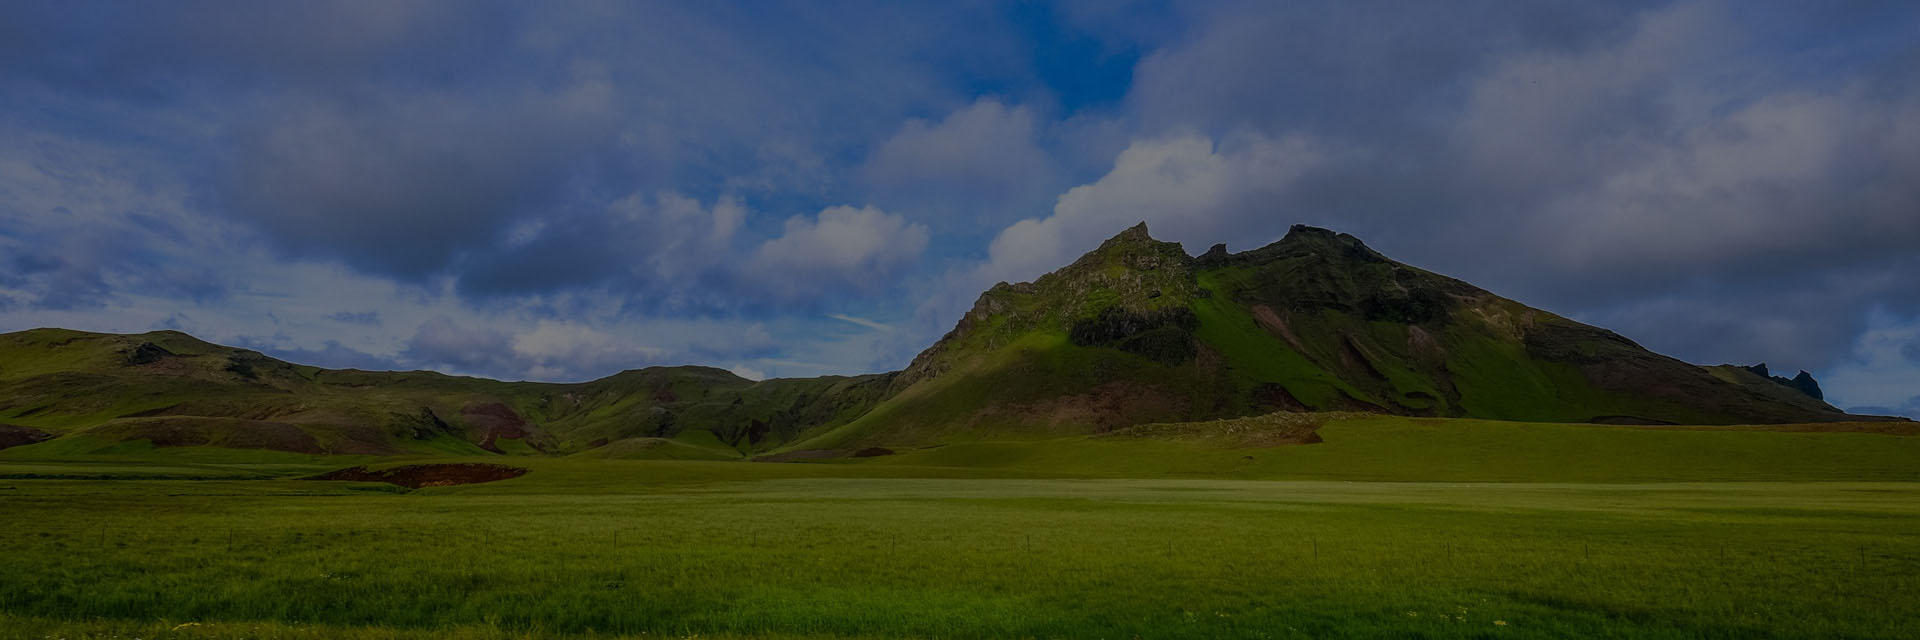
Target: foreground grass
[{"x": 673, "y": 549}]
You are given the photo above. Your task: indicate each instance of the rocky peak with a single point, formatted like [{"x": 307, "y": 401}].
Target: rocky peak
[{"x": 1803, "y": 383}]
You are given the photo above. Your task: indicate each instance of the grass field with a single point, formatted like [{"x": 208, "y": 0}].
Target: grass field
[{"x": 998, "y": 540}]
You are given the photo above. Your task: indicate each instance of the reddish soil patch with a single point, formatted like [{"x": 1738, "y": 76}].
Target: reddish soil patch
[
  {"x": 416, "y": 476},
  {"x": 1267, "y": 319},
  {"x": 873, "y": 452},
  {"x": 495, "y": 421},
  {"x": 17, "y": 436}
]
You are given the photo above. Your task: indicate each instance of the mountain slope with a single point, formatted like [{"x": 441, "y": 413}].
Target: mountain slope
[
  {"x": 98, "y": 391},
  {"x": 1136, "y": 331}
]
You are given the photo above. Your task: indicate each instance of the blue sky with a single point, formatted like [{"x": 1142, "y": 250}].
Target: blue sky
[{"x": 561, "y": 190}]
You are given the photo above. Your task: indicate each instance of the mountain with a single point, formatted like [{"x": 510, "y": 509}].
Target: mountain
[
  {"x": 1134, "y": 332},
  {"x": 1137, "y": 331}
]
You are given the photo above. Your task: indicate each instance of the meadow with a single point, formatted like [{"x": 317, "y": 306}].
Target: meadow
[{"x": 1341, "y": 539}]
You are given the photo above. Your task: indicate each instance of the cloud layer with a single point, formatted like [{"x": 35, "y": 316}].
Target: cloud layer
[{"x": 564, "y": 191}]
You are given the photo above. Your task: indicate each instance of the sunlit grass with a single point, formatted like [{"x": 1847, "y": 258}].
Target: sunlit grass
[{"x": 672, "y": 549}]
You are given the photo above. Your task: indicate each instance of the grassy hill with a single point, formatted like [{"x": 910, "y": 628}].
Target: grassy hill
[
  {"x": 94, "y": 392},
  {"x": 1137, "y": 331},
  {"x": 1134, "y": 332}
]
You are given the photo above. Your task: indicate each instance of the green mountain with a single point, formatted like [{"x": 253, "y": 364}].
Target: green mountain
[
  {"x": 1134, "y": 332},
  {"x": 1137, "y": 331}
]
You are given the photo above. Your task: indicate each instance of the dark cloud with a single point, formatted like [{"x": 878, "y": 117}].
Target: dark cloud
[
  {"x": 1725, "y": 183},
  {"x": 404, "y": 187},
  {"x": 1911, "y": 352}
]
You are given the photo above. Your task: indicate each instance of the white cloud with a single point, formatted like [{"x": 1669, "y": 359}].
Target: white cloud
[
  {"x": 986, "y": 150},
  {"x": 1186, "y": 188},
  {"x": 876, "y": 326},
  {"x": 841, "y": 249}
]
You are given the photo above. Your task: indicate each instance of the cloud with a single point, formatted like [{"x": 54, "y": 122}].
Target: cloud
[
  {"x": 405, "y": 184},
  {"x": 747, "y": 372},
  {"x": 1881, "y": 370},
  {"x": 876, "y": 326},
  {"x": 366, "y": 318},
  {"x": 331, "y": 354},
  {"x": 985, "y": 153},
  {"x": 665, "y": 250},
  {"x": 85, "y": 222},
  {"x": 1910, "y": 409},
  {"x": 841, "y": 250},
  {"x": 556, "y": 351},
  {"x": 1186, "y": 188}
]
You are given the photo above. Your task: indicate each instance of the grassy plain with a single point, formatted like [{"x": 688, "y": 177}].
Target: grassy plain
[{"x": 1725, "y": 534}]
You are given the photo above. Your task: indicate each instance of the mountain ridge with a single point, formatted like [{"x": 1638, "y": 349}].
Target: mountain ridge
[{"x": 1135, "y": 331}]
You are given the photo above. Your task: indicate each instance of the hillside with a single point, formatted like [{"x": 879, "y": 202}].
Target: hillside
[
  {"x": 1137, "y": 331},
  {"x": 1134, "y": 332},
  {"x": 106, "y": 392}
]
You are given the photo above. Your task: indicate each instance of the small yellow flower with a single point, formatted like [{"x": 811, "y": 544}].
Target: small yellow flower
[{"x": 1499, "y": 623}]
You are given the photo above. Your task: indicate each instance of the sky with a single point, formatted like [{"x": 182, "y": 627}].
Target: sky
[{"x": 563, "y": 190}]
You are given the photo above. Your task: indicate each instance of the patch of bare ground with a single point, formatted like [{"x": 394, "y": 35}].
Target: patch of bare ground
[
  {"x": 1107, "y": 407},
  {"x": 1279, "y": 429},
  {"x": 417, "y": 476},
  {"x": 495, "y": 421},
  {"x": 18, "y": 436}
]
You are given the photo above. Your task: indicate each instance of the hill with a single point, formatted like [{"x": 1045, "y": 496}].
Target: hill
[
  {"x": 1134, "y": 332},
  {"x": 1137, "y": 331}
]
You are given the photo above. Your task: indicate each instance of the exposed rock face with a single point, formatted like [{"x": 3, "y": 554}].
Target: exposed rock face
[
  {"x": 16, "y": 436},
  {"x": 1806, "y": 384},
  {"x": 1803, "y": 383},
  {"x": 146, "y": 353}
]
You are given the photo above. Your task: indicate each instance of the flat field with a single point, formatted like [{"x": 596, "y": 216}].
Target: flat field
[{"x": 183, "y": 544}]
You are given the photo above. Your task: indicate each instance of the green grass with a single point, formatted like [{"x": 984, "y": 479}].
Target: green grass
[
  {"x": 1392, "y": 527},
  {"x": 1386, "y": 448},
  {"x": 677, "y": 549}
]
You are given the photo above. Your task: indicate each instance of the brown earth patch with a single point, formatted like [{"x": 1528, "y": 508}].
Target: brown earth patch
[
  {"x": 1265, "y": 316},
  {"x": 495, "y": 421},
  {"x": 18, "y": 436},
  {"x": 873, "y": 452},
  {"x": 417, "y": 476}
]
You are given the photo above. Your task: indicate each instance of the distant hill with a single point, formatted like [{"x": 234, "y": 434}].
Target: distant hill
[{"x": 1134, "y": 332}]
